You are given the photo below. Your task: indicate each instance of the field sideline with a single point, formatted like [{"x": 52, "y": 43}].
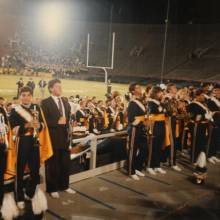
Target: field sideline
[{"x": 8, "y": 87}]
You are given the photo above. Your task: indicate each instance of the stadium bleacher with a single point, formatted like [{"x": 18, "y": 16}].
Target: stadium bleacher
[{"x": 191, "y": 50}]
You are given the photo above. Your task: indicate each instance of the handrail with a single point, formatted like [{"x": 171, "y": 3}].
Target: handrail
[
  {"x": 101, "y": 136},
  {"x": 93, "y": 170}
]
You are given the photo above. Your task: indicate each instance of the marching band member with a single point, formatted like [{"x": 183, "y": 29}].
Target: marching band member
[
  {"x": 8, "y": 208},
  {"x": 32, "y": 146},
  {"x": 214, "y": 106},
  {"x": 158, "y": 129},
  {"x": 171, "y": 104},
  {"x": 119, "y": 122},
  {"x": 199, "y": 124},
  {"x": 111, "y": 114},
  {"x": 81, "y": 115},
  {"x": 119, "y": 117},
  {"x": 137, "y": 140},
  {"x": 79, "y": 119},
  {"x": 183, "y": 118},
  {"x": 3, "y": 148},
  {"x": 100, "y": 116},
  {"x": 92, "y": 117}
]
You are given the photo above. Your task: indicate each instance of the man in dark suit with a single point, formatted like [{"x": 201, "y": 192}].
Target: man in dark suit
[{"x": 57, "y": 113}]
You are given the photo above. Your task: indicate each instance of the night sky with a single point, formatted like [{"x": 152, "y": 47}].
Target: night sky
[
  {"x": 154, "y": 11},
  {"x": 133, "y": 11}
]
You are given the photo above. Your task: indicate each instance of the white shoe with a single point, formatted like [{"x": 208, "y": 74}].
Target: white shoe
[
  {"x": 112, "y": 130},
  {"x": 70, "y": 191},
  {"x": 216, "y": 159},
  {"x": 135, "y": 177},
  {"x": 211, "y": 160},
  {"x": 176, "y": 168},
  {"x": 139, "y": 173},
  {"x": 21, "y": 205},
  {"x": 151, "y": 171},
  {"x": 95, "y": 131},
  {"x": 160, "y": 170},
  {"x": 55, "y": 195}
]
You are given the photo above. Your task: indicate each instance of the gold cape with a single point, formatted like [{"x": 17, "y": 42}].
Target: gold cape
[{"x": 46, "y": 150}]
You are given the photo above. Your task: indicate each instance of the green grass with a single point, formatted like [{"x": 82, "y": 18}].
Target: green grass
[{"x": 8, "y": 87}]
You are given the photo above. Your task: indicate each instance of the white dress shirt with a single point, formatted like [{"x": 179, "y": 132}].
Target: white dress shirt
[{"x": 55, "y": 98}]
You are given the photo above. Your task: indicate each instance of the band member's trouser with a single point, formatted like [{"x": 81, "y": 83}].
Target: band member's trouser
[
  {"x": 201, "y": 139},
  {"x": 171, "y": 151},
  {"x": 2, "y": 170},
  {"x": 92, "y": 124},
  {"x": 29, "y": 155},
  {"x": 137, "y": 151},
  {"x": 111, "y": 123},
  {"x": 57, "y": 171},
  {"x": 157, "y": 144},
  {"x": 214, "y": 142},
  {"x": 167, "y": 154}
]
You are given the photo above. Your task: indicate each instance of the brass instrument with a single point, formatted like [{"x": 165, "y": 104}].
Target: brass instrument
[
  {"x": 35, "y": 114},
  {"x": 3, "y": 131},
  {"x": 171, "y": 106}
]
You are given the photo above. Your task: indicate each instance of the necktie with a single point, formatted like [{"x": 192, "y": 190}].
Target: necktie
[{"x": 60, "y": 106}]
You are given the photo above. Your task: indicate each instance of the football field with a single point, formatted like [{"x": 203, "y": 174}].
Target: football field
[{"x": 8, "y": 87}]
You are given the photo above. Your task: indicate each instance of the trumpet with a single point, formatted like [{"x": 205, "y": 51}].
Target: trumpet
[
  {"x": 3, "y": 131},
  {"x": 35, "y": 114}
]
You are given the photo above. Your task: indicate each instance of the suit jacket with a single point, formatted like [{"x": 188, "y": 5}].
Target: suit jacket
[{"x": 58, "y": 133}]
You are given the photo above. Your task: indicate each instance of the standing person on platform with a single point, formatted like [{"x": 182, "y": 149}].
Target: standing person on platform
[
  {"x": 3, "y": 148},
  {"x": 3, "y": 145},
  {"x": 19, "y": 84},
  {"x": 171, "y": 105},
  {"x": 199, "y": 124},
  {"x": 42, "y": 85},
  {"x": 213, "y": 105},
  {"x": 137, "y": 140},
  {"x": 30, "y": 136},
  {"x": 57, "y": 114},
  {"x": 157, "y": 119}
]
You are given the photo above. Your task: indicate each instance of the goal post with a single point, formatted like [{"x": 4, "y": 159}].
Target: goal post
[{"x": 104, "y": 68}]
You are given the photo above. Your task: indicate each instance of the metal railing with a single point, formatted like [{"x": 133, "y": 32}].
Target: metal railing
[{"x": 93, "y": 170}]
